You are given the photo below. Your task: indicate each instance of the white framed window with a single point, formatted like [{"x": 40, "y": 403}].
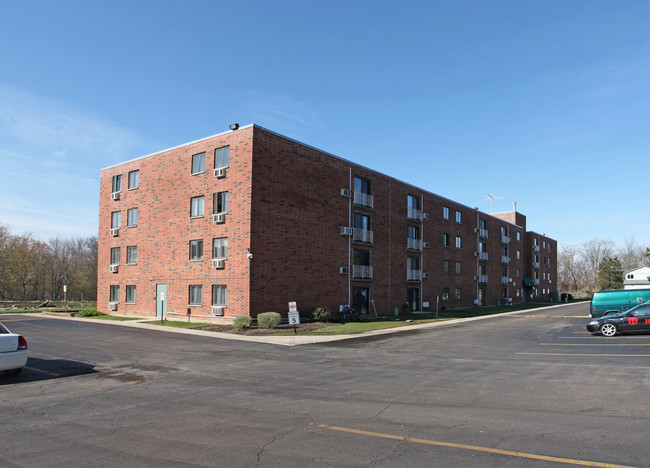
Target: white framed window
[
  {"x": 446, "y": 239},
  {"x": 197, "y": 206},
  {"x": 131, "y": 254},
  {"x": 220, "y": 247},
  {"x": 219, "y": 295},
  {"x": 518, "y": 254},
  {"x": 115, "y": 256},
  {"x": 459, "y": 217},
  {"x": 114, "y": 293},
  {"x": 445, "y": 212},
  {"x": 132, "y": 217},
  {"x": 459, "y": 242},
  {"x": 445, "y": 266},
  {"x": 117, "y": 183},
  {"x": 196, "y": 250},
  {"x": 134, "y": 179},
  {"x": 130, "y": 294},
  {"x": 220, "y": 204},
  {"x": 445, "y": 294},
  {"x": 222, "y": 157},
  {"x": 198, "y": 163},
  {"x": 459, "y": 268},
  {"x": 518, "y": 235},
  {"x": 116, "y": 219},
  {"x": 458, "y": 294},
  {"x": 196, "y": 294}
]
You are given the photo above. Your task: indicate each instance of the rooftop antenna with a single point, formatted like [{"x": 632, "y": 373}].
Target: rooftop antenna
[{"x": 490, "y": 197}]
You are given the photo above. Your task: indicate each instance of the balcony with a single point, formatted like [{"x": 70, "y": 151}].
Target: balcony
[
  {"x": 535, "y": 248},
  {"x": 414, "y": 214},
  {"x": 505, "y": 259},
  {"x": 536, "y": 265},
  {"x": 483, "y": 279},
  {"x": 505, "y": 239},
  {"x": 504, "y": 280},
  {"x": 483, "y": 233},
  {"x": 363, "y": 199},
  {"x": 362, "y": 235},
  {"x": 483, "y": 256},
  {"x": 414, "y": 244},
  {"x": 362, "y": 272},
  {"x": 413, "y": 275}
]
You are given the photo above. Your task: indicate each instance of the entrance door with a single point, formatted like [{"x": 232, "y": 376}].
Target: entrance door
[
  {"x": 360, "y": 301},
  {"x": 161, "y": 301},
  {"x": 413, "y": 298},
  {"x": 481, "y": 296}
]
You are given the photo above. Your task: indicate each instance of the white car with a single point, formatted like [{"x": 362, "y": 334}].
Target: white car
[{"x": 13, "y": 351}]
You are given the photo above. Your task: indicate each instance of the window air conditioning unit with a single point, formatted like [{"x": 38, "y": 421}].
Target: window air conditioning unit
[
  {"x": 115, "y": 195},
  {"x": 425, "y": 275},
  {"x": 476, "y": 254},
  {"x": 426, "y": 245},
  {"x": 220, "y": 172},
  {"x": 344, "y": 270},
  {"x": 425, "y": 215},
  {"x": 113, "y": 268},
  {"x": 218, "y": 263},
  {"x": 345, "y": 192},
  {"x": 475, "y": 278},
  {"x": 217, "y": 310},
  {"x": 219, "y": 218},
  {"x": 112, "y": 306},
  {"x": 115, "y": 232},
  {"x": 346, "y": 231},
  {"x": 475, "y": 229}
]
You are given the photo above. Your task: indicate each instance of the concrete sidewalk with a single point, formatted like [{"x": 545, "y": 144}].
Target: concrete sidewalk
[{"x": 297, "y": 340}]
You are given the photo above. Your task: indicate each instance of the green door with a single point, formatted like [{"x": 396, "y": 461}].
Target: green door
[{"x": 161, "y": 301}]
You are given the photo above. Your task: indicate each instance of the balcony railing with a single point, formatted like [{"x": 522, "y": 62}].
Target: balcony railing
[
  {"x": 505, "y": 239},
  {"x": 483, "y": 279},
  {"x": 536, "y": 265},
  {"x": 483, "y": 256},
  {"x": 504, "y": 280},
  {"x": 505, "y": 259},
  {"x": 361, "y": 272},
  {"x": 535, "y": 248},
  {"x": 483, "y": 233},
  {"x": 415, "y": 214},
  {"x": 362, "y": 235},
  {"x": 414, "y": 244},
  {"x": 363, "y": 199},
  {"x": 413, "y": 275}
]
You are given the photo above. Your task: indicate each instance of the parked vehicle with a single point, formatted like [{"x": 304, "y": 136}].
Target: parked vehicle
[
  {"x": 13, "y": 351},
  {"x": 636, "y": 319},
  {"x": 614, "y": 302}
]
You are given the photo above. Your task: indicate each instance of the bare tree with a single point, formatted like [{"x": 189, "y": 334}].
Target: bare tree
[
  {"x": 632, "y": 255},
  {"x": 594, "y": 252}
]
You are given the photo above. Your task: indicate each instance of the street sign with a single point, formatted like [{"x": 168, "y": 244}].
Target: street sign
[
  {"x": 293, "y": 307},
  {"x": 294, "y": 318}
]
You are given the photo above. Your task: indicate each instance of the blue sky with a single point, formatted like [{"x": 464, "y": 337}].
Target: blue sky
[{"x": 546, "y": 103}]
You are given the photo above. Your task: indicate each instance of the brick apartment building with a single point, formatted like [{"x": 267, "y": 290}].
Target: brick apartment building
[{"x": 245, "y": 221}]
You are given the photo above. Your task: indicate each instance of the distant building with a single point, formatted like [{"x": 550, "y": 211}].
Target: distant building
[
  {"x": 245, "y": 221},
  {"x": 638, "y": 278}
]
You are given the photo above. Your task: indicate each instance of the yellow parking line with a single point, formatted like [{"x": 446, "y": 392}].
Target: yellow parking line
[
  {"x": 42, "y": 371},
  {"x": 474, "y": 447},
  {"x": 599, "y": 344},
  {"x": 585, "y": 354}
]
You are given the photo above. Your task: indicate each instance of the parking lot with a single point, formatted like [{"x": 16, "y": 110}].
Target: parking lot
[{"x": 529, "y": 389}]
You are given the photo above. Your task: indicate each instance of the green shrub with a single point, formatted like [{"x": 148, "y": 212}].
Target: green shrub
[
  {"x": 241, "y": 323},
  {"x": 321, "y": 314},
  {"x": 268, "y": 320},
  {"x": 88, "y": 313}
]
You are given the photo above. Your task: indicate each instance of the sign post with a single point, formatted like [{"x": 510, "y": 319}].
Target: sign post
[{"x": 294, "y": 316}]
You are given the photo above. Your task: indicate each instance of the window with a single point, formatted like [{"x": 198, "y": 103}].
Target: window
[
  {"x": 198, "y": 163},
  {"x": 458, "y": 294},
  {"x": 518, "y": 235},
  {"x": 219, "y": 295},
  {"x": 445, "y": 212},
  {"x": 518, "y": 254},
  {"x": 361, "y": 221},
  {"x": 117, "y": 183},
  {"x": 361, "y": 185},
  {"x": 196, "y": 294},
  {"x": 458, "y": 242},
  {"x": 459, "y": 217},
  {"x": 361, "y": 257},
  {"x": 130, "y": 294},
  {"x": 446, "y": 240},
  {"x": 445, "y": 266},
  {"x": 132, "y": 217},
  {"x": 459, "y": 268},
  {"x": 197, "y": 206},
  {"x": 413, "y": 232},
  {"x": 220, "y": 202},
  {"x": 114, "y": 294},
  {"x": 134, "y": 179},
  {"x": 222, "y": 157},
  {"x": 412, "y": 263},
  {"x": 220, "y": 247},
  {"x": 115, "y": 256},
  {"x": 131, "y": 254},
  {"x": 445, "y": 294},
  {"x": 116, "y": 219},
  {"x": 413, "y": 202},
  {"x": 482, "y": 223},
  {"x": 518, "y": 273},
  {"x": 196, "y": 250}
]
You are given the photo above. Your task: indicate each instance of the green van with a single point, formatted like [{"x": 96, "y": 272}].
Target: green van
[{"x": 606, "y": 302}]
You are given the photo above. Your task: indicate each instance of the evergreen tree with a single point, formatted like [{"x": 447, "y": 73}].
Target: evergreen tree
[{"x": 610, "y": 274}]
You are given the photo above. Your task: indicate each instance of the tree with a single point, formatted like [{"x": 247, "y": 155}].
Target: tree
[
  {"x": 610, "y": 274},
  {"x": 593, "y": 253}
]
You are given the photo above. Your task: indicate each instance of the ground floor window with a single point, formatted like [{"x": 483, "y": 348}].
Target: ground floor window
[
  {"x": 196, "y": 294},
  {"x": 219, "y": 295},
  {"x": 445, "y": 294},
  {"x": 115, "y": 293},
  {"x": 458, "y": 294},
  {"x": 130, "y": 294}
]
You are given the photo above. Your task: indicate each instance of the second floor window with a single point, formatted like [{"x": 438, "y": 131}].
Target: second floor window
[
  {"x": 132, "y": 217},
  {"x": 220, "y": 247},
  {"x": 361, "y": 221},
  {"x": 132, "y": 254},
  {"x": 115, "y": 256},
  {"x": 221, "y": 202},
  {"x": 116, "y": 219},
  {"x": 197, "y": 205},
  {"x": 196, "y": 249},
  {"x": 114, "y": 294},
  {"x": 198, "y": 163}
]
